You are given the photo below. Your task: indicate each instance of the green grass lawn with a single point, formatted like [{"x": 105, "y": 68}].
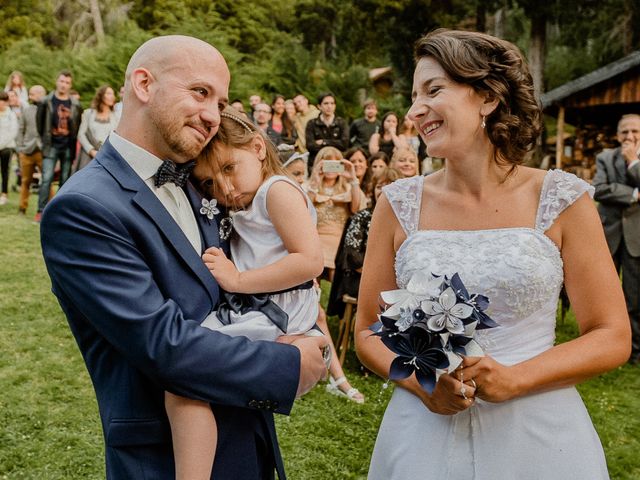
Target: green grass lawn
[{"x": 49, "y": 426}]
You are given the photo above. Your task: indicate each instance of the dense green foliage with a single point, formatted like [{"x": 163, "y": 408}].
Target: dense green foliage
[
  {"x": 49, "y": 417},
  {"x": 306, "y": 46}
]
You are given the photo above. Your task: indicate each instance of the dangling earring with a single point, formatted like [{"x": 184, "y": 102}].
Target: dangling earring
[{"x": 483, "y": 124}]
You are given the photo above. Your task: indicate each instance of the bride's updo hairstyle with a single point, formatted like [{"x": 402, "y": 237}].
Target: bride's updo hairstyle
[{"x": 496, "y": 68}]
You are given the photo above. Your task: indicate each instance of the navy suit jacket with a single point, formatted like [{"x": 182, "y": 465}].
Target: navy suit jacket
[{"x": 134, "y": 291}]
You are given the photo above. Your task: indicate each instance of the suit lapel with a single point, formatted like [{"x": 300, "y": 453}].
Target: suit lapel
[{"x": 153, "y": 208}]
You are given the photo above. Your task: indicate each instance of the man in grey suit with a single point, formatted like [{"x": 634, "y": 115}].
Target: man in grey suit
[{"x": 617, "y": 181}]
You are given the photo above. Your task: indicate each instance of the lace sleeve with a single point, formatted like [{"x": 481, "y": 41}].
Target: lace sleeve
[
  {"x": 404, "y": 196},
  {"x": 559, "y": 190}
]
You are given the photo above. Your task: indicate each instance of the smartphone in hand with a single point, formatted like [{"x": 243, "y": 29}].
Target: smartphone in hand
[{"x": 332, "y": 166}]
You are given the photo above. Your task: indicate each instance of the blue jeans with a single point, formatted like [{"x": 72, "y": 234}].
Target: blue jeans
[{"x": 48, "y": 167}]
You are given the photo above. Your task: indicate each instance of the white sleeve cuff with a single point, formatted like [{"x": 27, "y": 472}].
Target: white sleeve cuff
[
  {"x": 637, "y": 160},
  {"x": 635, "y": 196}
]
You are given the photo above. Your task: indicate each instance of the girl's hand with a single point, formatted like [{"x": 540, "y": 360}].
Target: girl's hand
[
  {"x": 349, "y": 170},
  {"x": 494, "y": 382},
  {"x": 223, "y": 269}
]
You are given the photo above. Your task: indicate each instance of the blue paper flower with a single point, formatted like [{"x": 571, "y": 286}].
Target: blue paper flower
[
  {"x": 418, "y": 351},
  {"x": 478, "y": 302}
]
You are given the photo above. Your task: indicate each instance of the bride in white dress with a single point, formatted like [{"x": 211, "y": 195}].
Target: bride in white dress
[{"x": 514, "y": 234}]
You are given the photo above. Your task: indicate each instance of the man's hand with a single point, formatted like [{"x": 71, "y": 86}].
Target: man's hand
[
  {"x": 223, "y": 269},
  {"x": 312, "y": 367}
]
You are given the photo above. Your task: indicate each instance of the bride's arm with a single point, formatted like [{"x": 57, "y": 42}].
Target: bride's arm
[
  {"x": 378, "y": 275},
  {"x": 594, "y": 289}
]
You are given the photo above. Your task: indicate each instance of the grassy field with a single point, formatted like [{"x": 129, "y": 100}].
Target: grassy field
[{"x": 49, "y": 426}]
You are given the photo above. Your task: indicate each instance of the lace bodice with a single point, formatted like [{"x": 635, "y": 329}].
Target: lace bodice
[{"x": 520, "y": 270}]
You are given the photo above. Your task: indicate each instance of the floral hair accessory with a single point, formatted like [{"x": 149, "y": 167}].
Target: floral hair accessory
[
  {"x": 209, "y": 208},
  {"x": 430, "y": 325}
]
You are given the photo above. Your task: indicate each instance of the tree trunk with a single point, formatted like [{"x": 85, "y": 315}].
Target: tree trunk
[
  {"x": 97, "y": 21},
  {"x": 498, "y": 27},
  {"x": 537, "y": 51},
  {"x": 537, "y": 48},
  {"x": 334, "y": 46},
  {"x": 481, "y": 16},
  {"x": 627, "y": 28}
]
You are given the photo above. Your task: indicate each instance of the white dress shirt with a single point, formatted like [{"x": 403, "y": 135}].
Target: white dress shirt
[{"x": 172, "y": 197}]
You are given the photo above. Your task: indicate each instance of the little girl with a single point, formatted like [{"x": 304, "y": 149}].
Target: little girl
[
  {"x": 275, "y": 247},
  {"x": 296, "y": 166}
]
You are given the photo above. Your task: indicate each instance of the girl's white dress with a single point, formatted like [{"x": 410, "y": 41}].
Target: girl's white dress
[
  {"x": 255, "y": 244},
  {"x": 543, "y": 436}
]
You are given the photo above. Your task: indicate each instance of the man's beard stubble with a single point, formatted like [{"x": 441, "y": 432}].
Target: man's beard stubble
[{"x": 170, "y": 129}]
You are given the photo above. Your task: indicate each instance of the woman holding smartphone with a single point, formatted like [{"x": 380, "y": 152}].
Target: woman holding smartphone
[{"x": 335, "y": 192}]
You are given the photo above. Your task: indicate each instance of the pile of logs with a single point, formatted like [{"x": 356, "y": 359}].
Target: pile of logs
[{"x": 581, "y": 149}]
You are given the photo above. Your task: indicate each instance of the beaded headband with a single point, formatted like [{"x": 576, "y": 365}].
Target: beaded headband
[{"x": 237, "y": 119}]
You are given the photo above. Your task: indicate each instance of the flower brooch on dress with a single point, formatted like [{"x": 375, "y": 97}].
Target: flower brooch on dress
[
  {"x": 430, "y": 325},
  {"x": 210, "y": 209}
]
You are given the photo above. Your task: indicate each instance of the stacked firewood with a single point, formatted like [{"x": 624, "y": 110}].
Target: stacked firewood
[{"x": 588, "y": 141}]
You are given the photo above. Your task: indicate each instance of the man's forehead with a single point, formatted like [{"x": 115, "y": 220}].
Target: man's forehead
[{"x": 629, "y": 124}]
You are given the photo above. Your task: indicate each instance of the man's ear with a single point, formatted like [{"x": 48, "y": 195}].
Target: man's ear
[
  {"x": 259, "y": 147},
  {"x": 141, "y": 84}
]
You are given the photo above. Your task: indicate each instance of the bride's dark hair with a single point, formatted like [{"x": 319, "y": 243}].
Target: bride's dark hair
[{"x": 496, "y": 68}]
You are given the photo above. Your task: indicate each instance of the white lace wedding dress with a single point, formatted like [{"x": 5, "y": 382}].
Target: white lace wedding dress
[{"x": 544, "y": 436}]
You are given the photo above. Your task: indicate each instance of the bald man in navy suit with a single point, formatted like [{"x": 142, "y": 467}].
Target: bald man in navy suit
[{"x": 124, "y": 256}]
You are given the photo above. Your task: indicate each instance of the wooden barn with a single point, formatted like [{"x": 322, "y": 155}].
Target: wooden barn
[{"x": 592, "y": 104}]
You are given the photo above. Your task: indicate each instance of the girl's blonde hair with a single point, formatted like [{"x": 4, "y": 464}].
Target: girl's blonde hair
[
  {"x": 15, "y": 73},
  {"x": 388, "y": 175},
  {"x": 236, "y": 131},
  {"x": 331, "y": 153},
  {"x": 404, "y": 153}
]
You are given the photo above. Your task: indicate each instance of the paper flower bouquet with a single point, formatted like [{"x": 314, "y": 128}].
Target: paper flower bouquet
[{"x": 430, "y": 325}]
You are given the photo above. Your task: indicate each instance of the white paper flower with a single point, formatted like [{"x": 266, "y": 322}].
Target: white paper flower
[
  {"x": 209, "y": 208},
  {"x": 421, "y": 287},
  {"x": 446, "y": 313},
  {"x": 406, "y": 319}
]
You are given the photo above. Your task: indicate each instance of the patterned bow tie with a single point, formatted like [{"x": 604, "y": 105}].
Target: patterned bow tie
[{"x": 170, "y": 172}]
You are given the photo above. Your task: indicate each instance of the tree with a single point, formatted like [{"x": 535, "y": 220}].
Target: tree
[{"x": 97, "y": 21}]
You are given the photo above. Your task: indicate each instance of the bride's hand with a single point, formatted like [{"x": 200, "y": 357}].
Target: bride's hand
[
  {"x": 494, "y": 382},
  {"x": 448, "y": 397}
]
